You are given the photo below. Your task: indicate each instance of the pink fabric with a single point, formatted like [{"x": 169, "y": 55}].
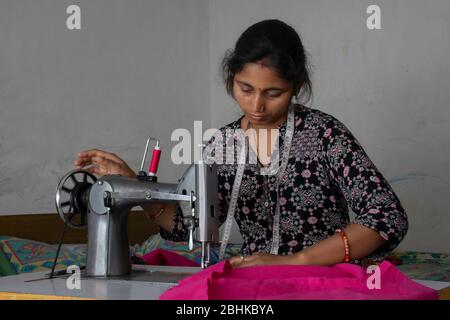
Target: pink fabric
[
  {"x": 339, "y": 282},
  {"x": 161, "y": 257}
]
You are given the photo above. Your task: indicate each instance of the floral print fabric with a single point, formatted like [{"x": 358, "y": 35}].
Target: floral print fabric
[{"x": 327, "y": 173}]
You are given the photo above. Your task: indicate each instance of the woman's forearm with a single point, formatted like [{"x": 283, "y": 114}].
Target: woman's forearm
[
  {"x": 362, "y": 242},
  {"x": 165, "y": 219}
]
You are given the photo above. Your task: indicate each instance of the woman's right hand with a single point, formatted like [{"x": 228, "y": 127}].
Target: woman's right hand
[{"x": 102, "y": 163}]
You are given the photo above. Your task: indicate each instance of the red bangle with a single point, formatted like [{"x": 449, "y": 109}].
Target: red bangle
[{"x": 346, "y": 245}]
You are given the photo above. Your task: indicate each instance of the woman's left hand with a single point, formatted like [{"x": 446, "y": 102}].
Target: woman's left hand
[{"x": 262, "y": 259}]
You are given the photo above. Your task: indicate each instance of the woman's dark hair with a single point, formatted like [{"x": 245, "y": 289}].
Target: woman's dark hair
[{"x": 279, "y": 45}]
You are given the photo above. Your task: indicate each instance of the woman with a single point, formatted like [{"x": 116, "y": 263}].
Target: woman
[{"x": 298, "y": 215}]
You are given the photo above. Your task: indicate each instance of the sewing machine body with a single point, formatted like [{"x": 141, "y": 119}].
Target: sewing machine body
[{"x": 110, "y": 199}]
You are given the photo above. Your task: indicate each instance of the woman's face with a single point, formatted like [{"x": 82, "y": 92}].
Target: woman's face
[{"x": 263, "y": 96}]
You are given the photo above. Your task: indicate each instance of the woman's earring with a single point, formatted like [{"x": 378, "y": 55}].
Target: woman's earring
[{"x": 295, "y": 98}]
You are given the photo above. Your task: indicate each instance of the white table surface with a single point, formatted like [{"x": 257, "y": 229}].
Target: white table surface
[
  {"x": 98, "y": 288},
  {"x": 113, "y": 289}
]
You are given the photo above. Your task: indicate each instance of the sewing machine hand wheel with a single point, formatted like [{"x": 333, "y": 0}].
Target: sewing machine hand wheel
[{"x": 72, "y": 197}]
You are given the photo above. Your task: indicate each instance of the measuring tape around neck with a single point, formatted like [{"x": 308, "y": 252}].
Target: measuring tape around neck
[{"x": 242, "y": 142}]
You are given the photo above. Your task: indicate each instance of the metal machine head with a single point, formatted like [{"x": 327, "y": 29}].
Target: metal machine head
[{"x": 107, "y": 202}]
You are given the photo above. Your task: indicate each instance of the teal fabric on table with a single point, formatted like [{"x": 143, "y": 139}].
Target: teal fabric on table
[
  {"x": 32, "y": 256},
  {"x": 424, "y": 265},
  {"x": 6, "y": 268}
]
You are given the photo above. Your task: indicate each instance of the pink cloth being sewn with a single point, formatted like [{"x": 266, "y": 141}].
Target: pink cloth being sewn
[
  {"x": 342, "y": 282},
  {"x": 161, "y": 257}
]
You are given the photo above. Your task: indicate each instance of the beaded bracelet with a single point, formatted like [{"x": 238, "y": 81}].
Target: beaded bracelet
[{"x": 346, "y": 245}]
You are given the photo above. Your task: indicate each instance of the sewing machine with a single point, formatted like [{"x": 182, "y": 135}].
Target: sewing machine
[{"x": 103, "y": 205}]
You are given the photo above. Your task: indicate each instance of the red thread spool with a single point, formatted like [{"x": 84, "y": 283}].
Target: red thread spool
[{"x": 155, "y": 161}]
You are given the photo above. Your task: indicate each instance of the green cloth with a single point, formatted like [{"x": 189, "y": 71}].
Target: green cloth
[{"x": 6, "y": 268}]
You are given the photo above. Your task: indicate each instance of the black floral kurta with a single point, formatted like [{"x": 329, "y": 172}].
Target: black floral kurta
[{"x": 328, "y": 171}]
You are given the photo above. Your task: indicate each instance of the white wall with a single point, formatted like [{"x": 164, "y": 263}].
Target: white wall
[
  {"x": 136, "y": 68},
  {"x": 389, "y": 86}
]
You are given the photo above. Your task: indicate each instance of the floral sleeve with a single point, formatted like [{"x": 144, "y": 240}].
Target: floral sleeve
[
  {"x": 365, "y": 189},
  {"x": 179, "y": 230}
]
